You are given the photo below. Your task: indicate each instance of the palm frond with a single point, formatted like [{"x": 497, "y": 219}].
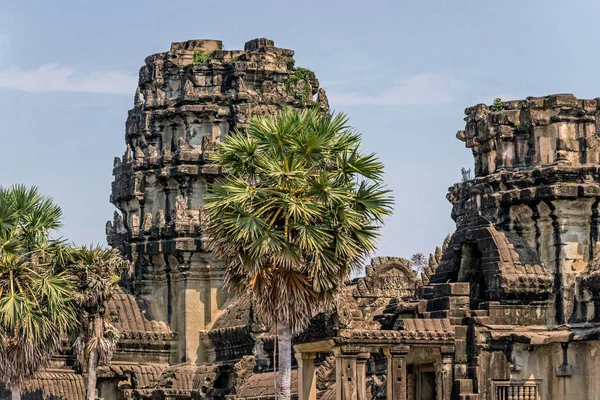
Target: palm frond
[{"x": 299, "y": 210}]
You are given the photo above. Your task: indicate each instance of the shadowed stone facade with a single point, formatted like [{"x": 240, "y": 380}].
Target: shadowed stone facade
[{"x": 507, "y": 309}]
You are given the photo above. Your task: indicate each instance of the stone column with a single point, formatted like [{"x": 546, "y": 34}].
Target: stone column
[
  {"x": 361, "y": 375},
  {"x": 396, "y": 376},
  {"x": 350, "y": 372},
  {"x": 446, "y": 371},
  {"x": 307, "y": 382},
  {"x": 345, "y": 377}
]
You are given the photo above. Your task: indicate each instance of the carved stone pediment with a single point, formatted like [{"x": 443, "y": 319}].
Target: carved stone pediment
[{"x": 387, "y": 277}]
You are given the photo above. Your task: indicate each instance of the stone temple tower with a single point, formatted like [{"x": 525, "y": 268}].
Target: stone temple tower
[
  {"x": 528, "y": 223},
  {"x": 187, "y": 100}
]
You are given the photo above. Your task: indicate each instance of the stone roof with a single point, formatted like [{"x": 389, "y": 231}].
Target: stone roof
[
  {"x": 187, "y": 376},
  {"x": 237, "y": 314},
  {"x": 53, "y": 384},
  {"x": 262, "y": 386},
  {"x": 130, "y": 320},
  {"x": 142, "y": 376},
  {"x": 512, "y": 269},
  {"x": 428, "y": 326}
]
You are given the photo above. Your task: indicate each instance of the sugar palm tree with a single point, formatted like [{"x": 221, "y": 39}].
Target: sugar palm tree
[
  {"x": 35, "y": 297},
  {"x": 98, "y": 271},
  {"x": 299, "y": 208}
]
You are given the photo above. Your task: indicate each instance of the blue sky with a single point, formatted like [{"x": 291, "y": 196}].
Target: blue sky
[{"x": 403, "y": 71}]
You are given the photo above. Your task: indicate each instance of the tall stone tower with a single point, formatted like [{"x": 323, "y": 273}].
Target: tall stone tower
[
  {"x": 528, "y": 223},
  {"x": 188, "y": 99}
]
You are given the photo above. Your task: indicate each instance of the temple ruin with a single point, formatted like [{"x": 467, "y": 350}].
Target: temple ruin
[{"x": 507, "y": 309}]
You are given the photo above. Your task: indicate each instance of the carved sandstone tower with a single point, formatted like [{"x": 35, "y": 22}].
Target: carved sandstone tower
[
  {"x": 528, "y": 224},
  {"x": 187, "y": 100}
]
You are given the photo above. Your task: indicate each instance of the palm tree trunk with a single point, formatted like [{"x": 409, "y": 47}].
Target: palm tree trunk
[
  {"x": 93, "y": 361},
  {"x": 284, "y": 337},
  {"x": 15, "y": 393},
  {"x": 91, "y": 377}
]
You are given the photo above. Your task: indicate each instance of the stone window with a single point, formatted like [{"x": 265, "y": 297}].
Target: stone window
[{"x": 511, "y": 390}]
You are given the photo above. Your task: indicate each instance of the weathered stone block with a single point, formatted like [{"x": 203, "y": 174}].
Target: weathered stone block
[
  {"x": 460, "y": 354},
  {"x": 463, "y": 386},
  {"x": 451, "y": 289}
]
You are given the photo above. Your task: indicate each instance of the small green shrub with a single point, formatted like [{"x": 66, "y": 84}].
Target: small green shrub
[
  {"x": 290, "y": 64},
  {"x": 298, "y": 75},
  {"x": 497, "y": 106},
  {"x": 304, "y": 95},
  {"x": 203, "y": 57}
]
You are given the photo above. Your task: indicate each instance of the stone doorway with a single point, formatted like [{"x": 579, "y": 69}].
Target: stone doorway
[
  {"x": 470, "y": 271},
  {"x": 421, "y": 382}
]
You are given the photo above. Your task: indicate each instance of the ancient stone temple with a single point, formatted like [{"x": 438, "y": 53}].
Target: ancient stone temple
[
  {"x": 187, "y": 100},
  {"x": 507, "y": 309},
  {"x": 510, "y": 311}
]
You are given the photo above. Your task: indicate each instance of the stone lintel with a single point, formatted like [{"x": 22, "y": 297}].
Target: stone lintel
[
  {"x": 350, "y": 350},
  {"x": 323, "y": 346}
]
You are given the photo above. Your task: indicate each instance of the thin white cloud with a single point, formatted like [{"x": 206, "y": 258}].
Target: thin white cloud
[
  {"x": 53, "y": 78},
  {"x": 422, "y": 89}
]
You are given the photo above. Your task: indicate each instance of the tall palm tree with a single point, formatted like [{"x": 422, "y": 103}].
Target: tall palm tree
[
  {"x": 98, "y": 272},
  {"x": 299, "y": 208},
  {"x": 35, "y": 297}
]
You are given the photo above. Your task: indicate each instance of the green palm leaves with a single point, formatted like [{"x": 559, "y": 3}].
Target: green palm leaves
[
  {"x": 97, "y": 271},
  {"x": 26, "y": 218},
  {"x": 299, "y": 209},
  {"x": 35, "y": 297}
]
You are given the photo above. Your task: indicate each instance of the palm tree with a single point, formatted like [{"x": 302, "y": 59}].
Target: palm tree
[
  {"x": 35, "y": 297},
  {"x": 98, "y": 272},
  {"x": 299, "y": 208}
]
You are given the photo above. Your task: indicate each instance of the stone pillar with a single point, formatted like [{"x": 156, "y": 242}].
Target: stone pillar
[
  {"x": 350, "y": 373},
  {"x": 446, "y": 371},
  {"x": 361, "y": 375},
  {"x": 345, "y": 377},
  {"x": 188, "y": 315},
  {"x": 307, "y": 382},
  {"x": 396, "y": 376}
]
